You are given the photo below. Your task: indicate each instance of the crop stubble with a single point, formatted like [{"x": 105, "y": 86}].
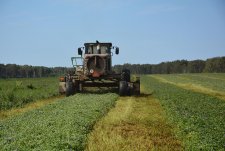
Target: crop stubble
[{"x": 136, "y": 123}]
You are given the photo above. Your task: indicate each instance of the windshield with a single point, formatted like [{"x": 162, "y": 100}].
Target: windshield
[{"x": 97, "y": 49}]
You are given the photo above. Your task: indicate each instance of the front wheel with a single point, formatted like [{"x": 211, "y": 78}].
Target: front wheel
[
  {"x": 123, "y": 88},
  {"x": 70, "y": 88}
]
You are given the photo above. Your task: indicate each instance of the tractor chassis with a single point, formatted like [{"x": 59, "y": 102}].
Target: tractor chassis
[{"x": 72, "y": 84}]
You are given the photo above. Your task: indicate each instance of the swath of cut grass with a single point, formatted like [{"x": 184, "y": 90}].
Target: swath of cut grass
[
  {"x": 136, "y": 123},
  {"x": 191, "y": 86}
]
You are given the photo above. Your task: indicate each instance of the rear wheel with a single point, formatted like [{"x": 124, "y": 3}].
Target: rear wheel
[{"x": 123, "y": 88}]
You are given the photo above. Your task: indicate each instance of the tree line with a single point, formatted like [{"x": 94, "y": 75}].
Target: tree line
[
  {"x": 212, "y": 65},
  {"x": 27, "y": 71}
]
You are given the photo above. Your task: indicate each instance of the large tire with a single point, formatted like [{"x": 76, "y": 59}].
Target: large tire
[
  {"x": 70, "y": 88},
  {"x": 76, "y": 86},
  {"x": 80, "y": 87},
  {"x": 123, "y": 88},
  {"x": 137, "y": 88},
  {"x": 125, "y": 75}
]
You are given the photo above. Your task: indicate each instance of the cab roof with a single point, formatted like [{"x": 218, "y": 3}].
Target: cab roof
[{"x": 100, "y": 43}]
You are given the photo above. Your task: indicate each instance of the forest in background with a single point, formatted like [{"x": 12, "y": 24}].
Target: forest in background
[
  {"x": 212, "y": 65},
  {"x": 28, "y": 71}
]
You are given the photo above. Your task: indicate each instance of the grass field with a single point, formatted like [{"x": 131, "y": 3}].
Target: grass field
[
  {"x": 212, "y": 84},
  {"x": 199, "y": 117},
  {"x": 172, "y": 117},
  {"x": 174, "y": 112},
  {"x": 63, "y": 125},
  {"x": 18, "y": 92}
]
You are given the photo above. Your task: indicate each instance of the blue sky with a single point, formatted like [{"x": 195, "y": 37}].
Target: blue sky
[{"x": 48, "y": 32}]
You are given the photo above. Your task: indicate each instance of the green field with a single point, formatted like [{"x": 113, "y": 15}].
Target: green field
[
  {"x": 174, "y": 112},
  {"x": 63, "y": 125},
  {"x": 18, "y": 92},
  {"x": 213, "y": 81},
  {"x": 199, "y": 117}
]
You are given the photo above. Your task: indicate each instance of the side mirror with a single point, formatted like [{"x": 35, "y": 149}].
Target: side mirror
[
  {"x": 79, "y": 51},
  {"x": 117, "y": 50}
]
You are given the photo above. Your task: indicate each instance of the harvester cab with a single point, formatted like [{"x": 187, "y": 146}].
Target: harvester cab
[{"x": 93, "y": 68}]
